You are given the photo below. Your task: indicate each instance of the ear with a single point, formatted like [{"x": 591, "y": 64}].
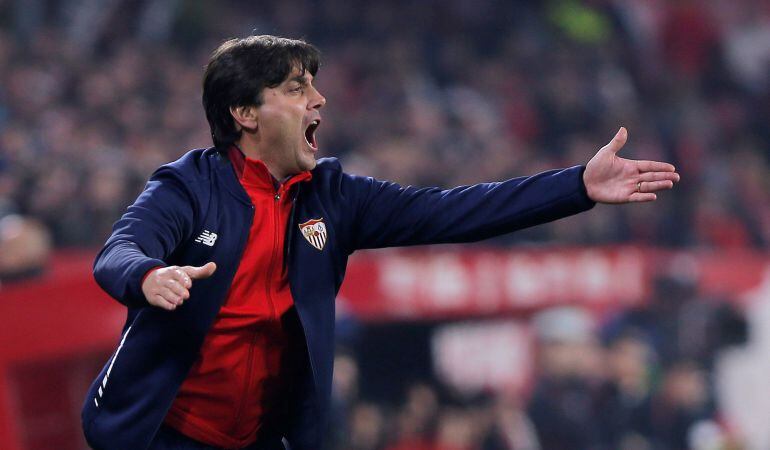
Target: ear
[{"x": 245, "y": 117}]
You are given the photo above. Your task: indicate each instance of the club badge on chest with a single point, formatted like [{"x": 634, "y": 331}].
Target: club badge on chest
[{"x": 314, "y": 231}]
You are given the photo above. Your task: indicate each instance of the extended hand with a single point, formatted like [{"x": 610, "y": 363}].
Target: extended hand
[
  {"x": 611, "y": 179},
  {"x": 168, "y": 287}
]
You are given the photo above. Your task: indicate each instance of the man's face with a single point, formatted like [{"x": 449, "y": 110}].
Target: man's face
[{"x": 286, "y": 122}]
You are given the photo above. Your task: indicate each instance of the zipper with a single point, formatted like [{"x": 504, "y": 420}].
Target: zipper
[
  {"x": 270, "y": 268},
  {"x": 289, "y": 230},
  {"x": 269, "y": 298}
]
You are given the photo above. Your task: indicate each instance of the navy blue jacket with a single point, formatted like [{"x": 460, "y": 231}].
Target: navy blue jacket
[{"x": 200, "y": 192}]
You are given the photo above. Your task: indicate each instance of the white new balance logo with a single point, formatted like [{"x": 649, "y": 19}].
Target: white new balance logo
[{"x": 207, "y": 238}]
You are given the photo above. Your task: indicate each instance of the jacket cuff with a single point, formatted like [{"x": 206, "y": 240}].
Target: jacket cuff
[
  {"x": 583, "y": 192},
  {"x": 135, "y": 296},
  {"x": 147, "y": 274}
]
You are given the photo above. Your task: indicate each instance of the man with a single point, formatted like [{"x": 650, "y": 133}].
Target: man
[{"x": 230, "y": 260}]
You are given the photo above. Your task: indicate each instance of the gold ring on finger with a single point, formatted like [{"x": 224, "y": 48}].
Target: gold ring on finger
[{"x": 638, "y": 186}]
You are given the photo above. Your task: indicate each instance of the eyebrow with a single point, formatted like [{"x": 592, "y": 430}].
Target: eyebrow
[{"x": 300, "y": 79}]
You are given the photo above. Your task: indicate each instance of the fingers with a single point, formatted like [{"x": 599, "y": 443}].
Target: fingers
[
  {"x": 618, "y": 141},
  {"x": 177, "y": 288},
  {"x": 171, "y": 296},
  {"x": 159, "y": 301},
  {"x": 642, "y": 197},
  {"x": 654, "y": 186},
  {"x": 654, "y": 166},
  {"x": 645, "y": 190},
  {"x": 200, "y": 273},
  {"x": 167, "y": 287},
  {"x": 659, "y": 176},
  {"x": 165, "y": 299},
  {"x": 182, "y": 278}
]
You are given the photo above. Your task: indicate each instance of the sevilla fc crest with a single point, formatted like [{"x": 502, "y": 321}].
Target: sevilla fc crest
[{"x": 314, "y": 231}]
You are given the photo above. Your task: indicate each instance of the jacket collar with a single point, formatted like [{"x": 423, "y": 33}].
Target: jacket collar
[{"x": 236, "y": 169}]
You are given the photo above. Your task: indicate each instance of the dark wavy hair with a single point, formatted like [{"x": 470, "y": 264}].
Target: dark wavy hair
[{"x": 240, "y": 69}]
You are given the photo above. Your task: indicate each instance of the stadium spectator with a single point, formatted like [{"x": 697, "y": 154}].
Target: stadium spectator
[
  {"x": 123, "y": 102},
  {"x": 24, "y": 248},
  {"x": 93, "y": 99}
]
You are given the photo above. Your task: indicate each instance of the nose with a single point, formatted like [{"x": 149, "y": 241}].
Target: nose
[{"x": 318, "y": 100}]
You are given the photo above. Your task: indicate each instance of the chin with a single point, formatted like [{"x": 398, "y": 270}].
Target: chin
[
  {"x": 308, "y": 163},
  {"x": 305, "y": 159}
]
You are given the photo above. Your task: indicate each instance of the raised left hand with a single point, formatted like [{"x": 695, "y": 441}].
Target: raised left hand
[{"x": 611, "y": 179}]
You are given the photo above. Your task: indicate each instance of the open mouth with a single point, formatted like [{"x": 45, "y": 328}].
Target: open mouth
[{"x": 310, "y": 134}]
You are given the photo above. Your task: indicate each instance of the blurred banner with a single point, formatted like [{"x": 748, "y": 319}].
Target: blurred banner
[
  {"x": 56, "y": 330},
  {"x": 448, "y": 283}
]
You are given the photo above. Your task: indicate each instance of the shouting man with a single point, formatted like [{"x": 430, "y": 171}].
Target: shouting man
[{"x": 230, "y": 260}]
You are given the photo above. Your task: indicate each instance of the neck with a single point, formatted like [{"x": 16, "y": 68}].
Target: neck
[{"x": 253, "y": 150}]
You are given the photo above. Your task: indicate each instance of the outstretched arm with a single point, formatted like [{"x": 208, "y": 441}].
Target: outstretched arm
[
  {"x": 385, "y": 214},
  {"x": 611, "y": 179}
]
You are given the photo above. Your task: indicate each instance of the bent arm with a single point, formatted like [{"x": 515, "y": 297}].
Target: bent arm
[
  {"x": 160, "y": 218},
  {"x": 390, "y": 215}
]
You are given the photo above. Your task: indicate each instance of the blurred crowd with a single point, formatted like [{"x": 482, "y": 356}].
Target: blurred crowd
[
  {"x": 641, "y": 379},
  {"x": 92, "y": 100},
  {"x": 96, "y": 95}
]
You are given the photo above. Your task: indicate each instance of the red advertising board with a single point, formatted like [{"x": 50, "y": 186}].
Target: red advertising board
[
  {"x": 56, "y": 330},
  {"x": 448, "y": 282}
]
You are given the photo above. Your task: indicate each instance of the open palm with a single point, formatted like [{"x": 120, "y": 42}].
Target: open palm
[{"x": 611, "y": 179}]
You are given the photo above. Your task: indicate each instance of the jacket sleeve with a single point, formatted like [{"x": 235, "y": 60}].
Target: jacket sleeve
[
  {"x": 387, "y": 214},
  {"x": 150, "y": 230}
]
